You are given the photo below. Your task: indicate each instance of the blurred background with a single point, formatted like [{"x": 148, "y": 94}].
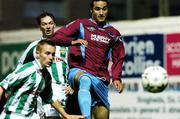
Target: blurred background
[
  {"x": 16, "y": 14},
  {"x": 150, "y": 30}
]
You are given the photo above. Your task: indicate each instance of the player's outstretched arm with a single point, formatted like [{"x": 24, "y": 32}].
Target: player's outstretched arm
[{"x": 60, "y": 109}]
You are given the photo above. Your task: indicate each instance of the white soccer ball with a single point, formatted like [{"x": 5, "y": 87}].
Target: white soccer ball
[{"x": 154, "y": 79}]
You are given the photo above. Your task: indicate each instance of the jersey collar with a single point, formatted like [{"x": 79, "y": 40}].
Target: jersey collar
[{"x": 106, "y": 25}]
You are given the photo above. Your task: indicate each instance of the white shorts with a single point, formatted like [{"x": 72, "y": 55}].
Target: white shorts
[
  {"x": 40, "y": 109},
  {"x": 50, "y": 111},
  {"x": 58, "y": 94}
]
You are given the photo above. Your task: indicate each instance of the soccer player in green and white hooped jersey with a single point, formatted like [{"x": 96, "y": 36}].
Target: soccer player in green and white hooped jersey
[
  {"x": 58, "y": 74},
  {"x": 30, "y": 81},
  {"x": 58, "y": 69},
  {"x": 27, "y": 83}
]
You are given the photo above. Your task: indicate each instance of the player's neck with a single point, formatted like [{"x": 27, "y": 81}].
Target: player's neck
[{"x": 101, "y": 24}]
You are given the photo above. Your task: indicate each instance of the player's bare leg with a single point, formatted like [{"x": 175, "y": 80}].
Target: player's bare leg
[
  {"x": 72, "y": 99},
  {"x": 100, "y": 112},
  {"x": 76, "y": 78}
]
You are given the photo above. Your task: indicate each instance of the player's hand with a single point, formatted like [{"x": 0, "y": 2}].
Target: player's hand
[
  {"x": 80, "y": 41},
  {"x": 74, "y": 117},
  {"x": 118, "y": 85},
  {"x": 69, "y": 90}
]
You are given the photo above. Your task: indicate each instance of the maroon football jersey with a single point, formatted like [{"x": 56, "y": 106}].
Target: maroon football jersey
[{"x": 103, "y": 41}]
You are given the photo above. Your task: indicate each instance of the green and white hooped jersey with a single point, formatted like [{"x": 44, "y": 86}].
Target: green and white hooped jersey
[
  {"x": 58, "y": 69},
  {"x": 29, "y": 83}
]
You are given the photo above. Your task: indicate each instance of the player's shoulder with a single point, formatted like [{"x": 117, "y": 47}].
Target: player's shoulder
[
  {"x": 73, "y": 23},
  {"x": 34, "y": 43},
  {"x": 113, "y": 32},
  {"x": 26, "y": 69},
  {"x": 80, "y": 21},
  {"x": 112, "y": 29},
  {"x": 85, "y": 21}
]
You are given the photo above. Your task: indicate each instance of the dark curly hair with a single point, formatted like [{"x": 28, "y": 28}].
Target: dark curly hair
[
  {"x": 44, "y": 14},
  {"x": 92, "y": 2}
]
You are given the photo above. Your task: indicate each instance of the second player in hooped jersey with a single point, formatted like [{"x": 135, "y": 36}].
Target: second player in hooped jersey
[{"x": 102, "y": 41}]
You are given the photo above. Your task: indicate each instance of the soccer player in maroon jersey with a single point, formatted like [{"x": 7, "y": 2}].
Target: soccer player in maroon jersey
[{"x": 88, "y": 62}]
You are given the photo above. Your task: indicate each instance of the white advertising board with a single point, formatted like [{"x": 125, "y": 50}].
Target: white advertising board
[{"x": 135, "y": 103}]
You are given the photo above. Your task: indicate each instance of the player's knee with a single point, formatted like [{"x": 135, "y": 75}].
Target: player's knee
[
  {"x": 100, "y": 112},
  {"x": 84, "y": 82}
]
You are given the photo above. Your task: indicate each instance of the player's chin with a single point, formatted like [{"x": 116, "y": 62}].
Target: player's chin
[
  {"x": 101, "y": 19},
  {"x": 49, "y": 33}
]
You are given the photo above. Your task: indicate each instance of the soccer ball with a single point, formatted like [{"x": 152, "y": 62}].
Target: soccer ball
[{"x": 154, "y": 79}]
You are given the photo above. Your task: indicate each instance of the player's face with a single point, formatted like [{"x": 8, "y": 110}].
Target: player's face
[
  {"x": 99, "y": 11},
  {"x": 45, "y": 55},
  {"x": 47, "y": 26}
]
